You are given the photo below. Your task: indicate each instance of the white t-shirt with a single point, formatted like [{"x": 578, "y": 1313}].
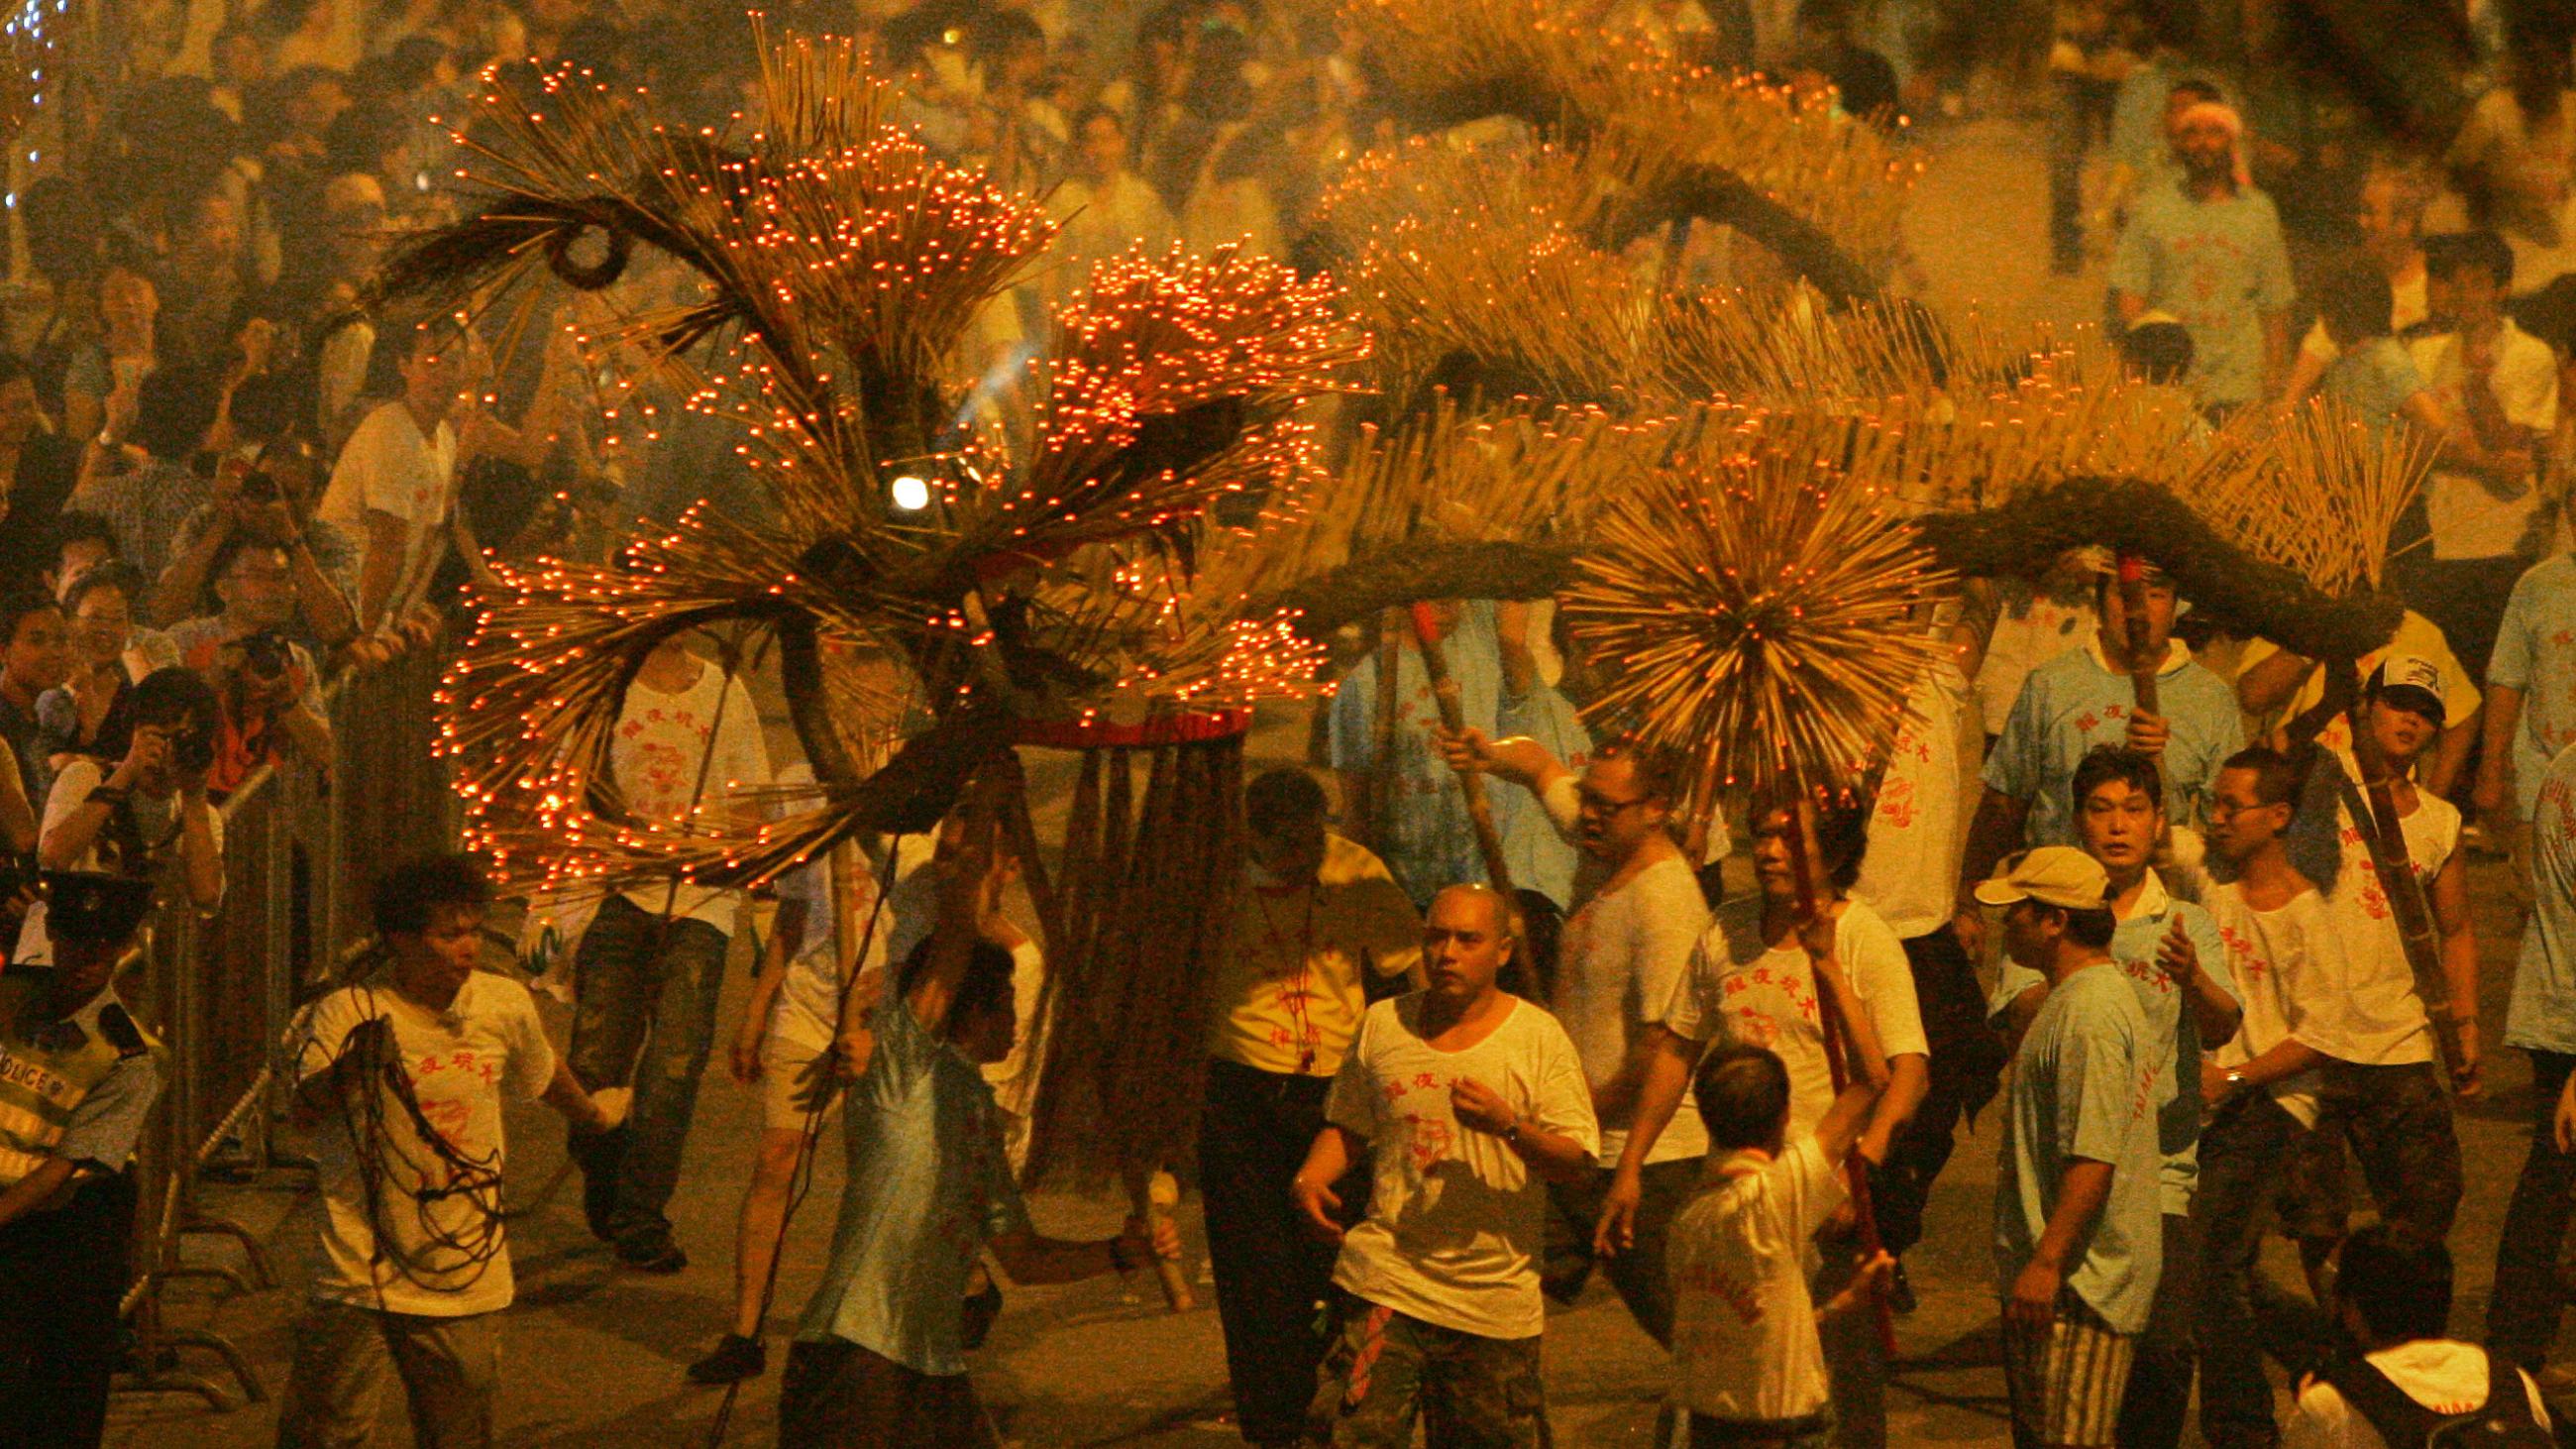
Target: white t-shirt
[
  {"x": 2441, "y": 1374},
  {"x": 389, "y": 466},
  {"x": 809, "y": 998},
  {"x": 1743, "y": 990},
  {"x": 1910, "y": 869},
  {"x": 463, "y": 1063},
  {"x": 2468, "y": 520},
  {"x": 1744, "y": 1326},
  {"x": 1456, "y": 1219},
  {"x": 668, "y": 772},
  {"x": 2288, "y": 968},
  {"x": 1014, "y": 1079},
  {"x": 2380, "y": 1019},
  {"x": 72, "y": 785},
  {"x": 1617, "y": 963}
]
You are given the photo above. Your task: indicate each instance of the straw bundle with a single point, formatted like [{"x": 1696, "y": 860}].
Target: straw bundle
[
  {"x": 1824, "y": 194},
  {"x": 1147, "y": 887},
  {"x": 1753, "y": 615},
  {"x": 2320, "y": 494},
  {"x": 835, "y": 267}
]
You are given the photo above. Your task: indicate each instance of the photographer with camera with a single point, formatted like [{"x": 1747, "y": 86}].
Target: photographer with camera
[
  {"x": 139, "y": 802},
  {"x": 110, "y": 653},
  {"x": 267, "y": 499},
  {"x": 268, "y": 685}
]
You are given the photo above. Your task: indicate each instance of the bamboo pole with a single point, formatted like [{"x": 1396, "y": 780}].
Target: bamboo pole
[
  {"x": 1804, "y": 857},
  {"x": 1380, "y": 815},
  {"x": 1153, "y": 1195},
  {"x": 1444, "y": 690},
  {"x": 2393, "y": 862},
  {"x": 2133, "y": 602}
]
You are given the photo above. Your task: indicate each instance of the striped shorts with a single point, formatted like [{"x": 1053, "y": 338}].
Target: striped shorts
[{"x": 2067, "y": 1378}]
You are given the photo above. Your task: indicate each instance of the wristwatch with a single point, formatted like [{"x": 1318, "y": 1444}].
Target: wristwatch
[
  {"x": 2235, "y": 1080},
  {"x": 1512, "y": 1134}
]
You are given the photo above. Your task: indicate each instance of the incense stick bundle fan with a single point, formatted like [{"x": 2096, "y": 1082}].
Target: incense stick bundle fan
[
  {"x": 1029, "y": 578},
  {"x": 1755, "y": 616}
]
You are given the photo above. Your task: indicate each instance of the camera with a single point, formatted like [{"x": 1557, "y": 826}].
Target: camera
[{"x": 266, "y": 654}]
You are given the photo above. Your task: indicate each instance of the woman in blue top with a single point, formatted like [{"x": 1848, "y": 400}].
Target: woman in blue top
[{"x": 2373, "y": 376}]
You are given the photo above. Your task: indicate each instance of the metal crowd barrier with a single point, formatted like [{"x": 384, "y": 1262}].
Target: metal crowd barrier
[{"x": 223, "y": 992}]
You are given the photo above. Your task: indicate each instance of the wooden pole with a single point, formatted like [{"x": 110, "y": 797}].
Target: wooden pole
[
  {"x": 1703, "y": 812},
  {"x": 1804, "y": 858},
  {"x": 2384, "y": 833},
  {"x": 1444, "y": 690},
  {"x": 1153, "y": 1196},
  {"x": 2133, "y": 602},
  {"x": 1379, "y": 817}
]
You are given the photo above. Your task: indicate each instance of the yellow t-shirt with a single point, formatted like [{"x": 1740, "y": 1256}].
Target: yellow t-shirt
[
  {"x": 2415, "y": 635},
  {"x": 1288, "y": 992}
]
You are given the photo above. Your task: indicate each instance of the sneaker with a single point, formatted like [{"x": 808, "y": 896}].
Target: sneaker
[
  {"x": 735, "y": 1359},
  {"x": 652, "y": 1255}
]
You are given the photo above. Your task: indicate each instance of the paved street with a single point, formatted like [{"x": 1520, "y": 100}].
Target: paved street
[{"x": 594, "y": 1355}]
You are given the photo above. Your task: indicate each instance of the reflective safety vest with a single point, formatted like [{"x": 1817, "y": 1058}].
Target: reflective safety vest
[{"x": 43, "y": 1079}]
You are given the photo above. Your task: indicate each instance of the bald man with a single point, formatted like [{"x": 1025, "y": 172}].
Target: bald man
[{"x": 1472, "y": 1100}]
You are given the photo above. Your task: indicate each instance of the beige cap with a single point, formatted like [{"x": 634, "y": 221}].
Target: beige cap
[{"x": 2056, "y": 875}]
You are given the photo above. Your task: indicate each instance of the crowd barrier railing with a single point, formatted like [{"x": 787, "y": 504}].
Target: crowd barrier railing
[{"x": 224, "y": 991}]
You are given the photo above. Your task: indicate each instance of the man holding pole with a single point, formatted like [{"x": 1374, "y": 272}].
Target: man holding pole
[
  {"x": 879, "y": 1360},
  {"x": 1399, "y": 797},
  {"x": 2088, "y": 697},
  {"x": 1317, "y": 923},
  {"x": 2383, "y": 1088},
  {"x": 1624, "y": 949},
  {"x": 1750, "y": 979},
  {"x": 2078, "y": 1246}
]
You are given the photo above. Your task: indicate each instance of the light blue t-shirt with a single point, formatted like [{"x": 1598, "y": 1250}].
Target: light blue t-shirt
[
  {"x": 2217, "y": 267},
  {"x": 2075, "y": 701},
  {"x": 1540, "y": 858},
  {"x": 2535, "y": 652},
  {"x": 928, "y": 1184},
  {"x": 2543, "y": 1014},
  {"x": 2173, "y": 1033},
  {"x": 2374, "y": 380},
  {"x": 1433, "y": 844},
  {"x": 2077, "y": 1089}
]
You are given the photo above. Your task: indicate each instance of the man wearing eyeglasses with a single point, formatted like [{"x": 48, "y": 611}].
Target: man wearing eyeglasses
[{"x": 1623, "y": 949}]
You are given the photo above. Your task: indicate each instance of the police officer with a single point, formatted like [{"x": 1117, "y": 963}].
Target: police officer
[{"x": 77, "y": 1078}]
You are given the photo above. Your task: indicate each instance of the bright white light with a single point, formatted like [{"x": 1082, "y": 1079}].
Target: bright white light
[{"x": 911, "y": 495}]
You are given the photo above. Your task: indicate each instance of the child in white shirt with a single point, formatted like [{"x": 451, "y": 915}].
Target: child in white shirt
[
  {"x": 2393, "y": 1297},
  {"x": 1747, "y": 1362}
]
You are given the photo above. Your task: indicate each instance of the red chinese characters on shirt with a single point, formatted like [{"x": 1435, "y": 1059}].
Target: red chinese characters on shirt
[
  {"x": 2242, "y": 958},
  {"x": 445, "y": 1085},
  {"x": 2112, "y": 715},
  {"x": 1739, "y": 1296},
  {"x": 1430, "y": 1128},
  {"x": 660, "y": 773},
  {"x": 1896, "y": 803}
]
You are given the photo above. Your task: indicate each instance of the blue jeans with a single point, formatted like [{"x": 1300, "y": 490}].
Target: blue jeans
[{"x": 646, "y": 1011}]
